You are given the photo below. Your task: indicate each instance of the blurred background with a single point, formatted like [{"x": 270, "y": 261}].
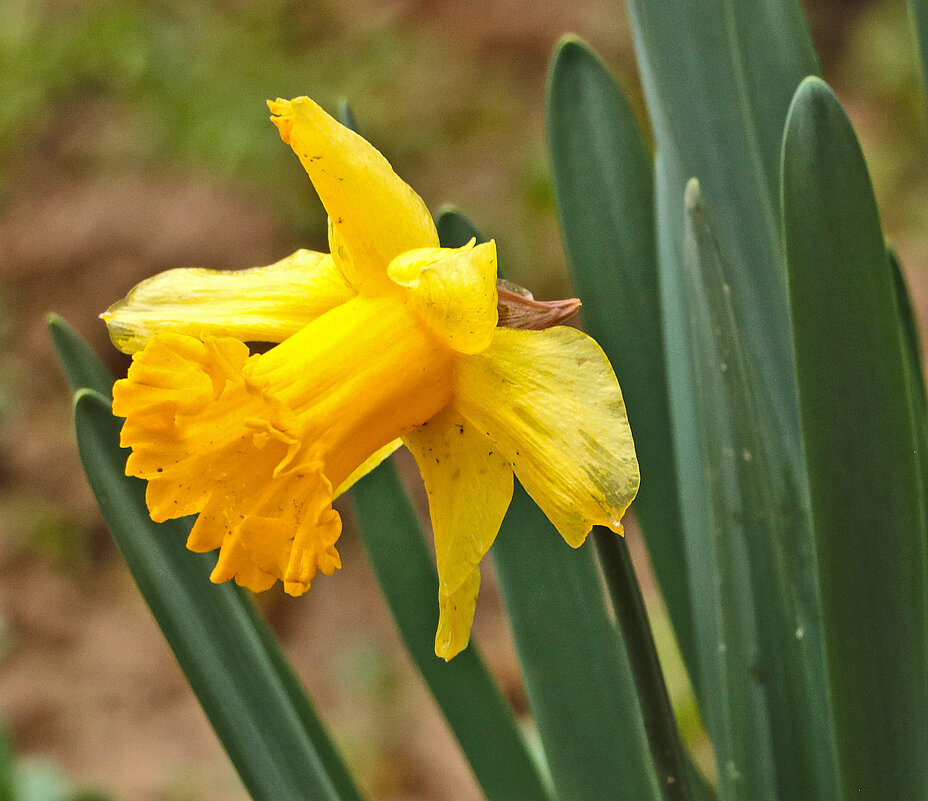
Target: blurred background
[{"x": 134, "y": 138}]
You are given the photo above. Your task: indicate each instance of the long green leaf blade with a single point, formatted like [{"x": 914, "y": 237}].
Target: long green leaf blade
[
  {"x": 7, "y": 765},
  {"x": 861, "y": 451},
  {"x": 577, "y": 675},
  {"x": 271, "y": 734},
  {"x": 84, "y": 369},
  {"x": 743, "y": 517},
  {"x": 912, "y": 348},
  {"x": 464, "y": 689},
  {"x": 742, "y": 60},
  {"x": 911, "y": 340},
  {"x": 603, "y": 181}
]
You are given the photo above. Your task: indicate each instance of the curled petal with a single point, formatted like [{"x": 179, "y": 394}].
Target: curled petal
[
  {"x": 263, "y": 304},
  {"x": 453, "y": 291},
  {"x": 373, "y": 213},
  {"x": 552, "y": 404},
  {"x": 469, "y": 486}
]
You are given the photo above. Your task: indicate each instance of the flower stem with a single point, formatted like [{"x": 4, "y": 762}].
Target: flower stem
[{"x": 659, "y": 721}]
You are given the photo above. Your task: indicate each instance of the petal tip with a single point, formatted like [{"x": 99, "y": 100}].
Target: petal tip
[
  {"x": 447, "y": 648},
  {"x": 282, "y": 117}
]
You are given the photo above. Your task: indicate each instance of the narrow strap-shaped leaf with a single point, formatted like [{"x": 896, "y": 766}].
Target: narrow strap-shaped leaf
[
  {"x": 455, "y": 227},
  {"x": 580, "y": 685},
  {"x": 910, "y": 336},
  {"x": 861, "y": 451},
  {"x": 7, "y": 765},
  {"x": 718, "y": 77},
  {"x": 82, "y": 367},
  {"x": 465, "y": 691},
  {"x": 269, "y": 729},
  {"x": 742, "y": 60},
  {"x": 743, "y": 695},
  {"x": 911, "y": 340},
  {"x": 603, "y": 181},
  {"x": 579, "y": 682},
  {"x": 911, "y": 344}
]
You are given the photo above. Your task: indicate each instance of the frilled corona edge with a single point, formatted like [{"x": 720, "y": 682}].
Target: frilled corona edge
[{"x": 388, "y": 339}]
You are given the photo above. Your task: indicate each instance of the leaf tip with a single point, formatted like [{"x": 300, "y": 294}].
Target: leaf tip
[
  {"x": 346, "y": 116},
  {"x": 812, "y": 93},
  {"x": 692, "y": 196},
  {"x": 570, "y": 45},
  {"x": 86, "y": 397},
  {"x": 454, "y": 229}
]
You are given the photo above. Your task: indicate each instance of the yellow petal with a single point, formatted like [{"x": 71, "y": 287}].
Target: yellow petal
[
  {"x": 255, "y": 443},
  {"x": 263, "y": 304},
  {"x": 453, "y": 291},
  {"x": 374, "y": 214},
  {"x": 456, "y": 616},
  {"x": 469, "y": 486},
  {"x": 551, "y": 402},
  {"x": 376, "y": 459}
]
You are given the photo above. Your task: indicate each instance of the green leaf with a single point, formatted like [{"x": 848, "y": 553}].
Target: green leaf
[
  {"x": 454, "y": 227},
  {"x": 578, "y": 679},
  {"x": 740, "y": 637},
  {"x": 268, "y": 727},
  {"x": 40, "y": 780},
  {"x": 861, "y": 449},
  {"x": 464, "y": 689},
  {"x": 345, "y": 114},
  {"x": 911, "y": 340},
  {"x": 603, "y": 181},
  {"x": 7, "y": 765},
  {"x": 742, "y": 60},
  {"x": 912, "y": 347},
  {"x": 82, "y": 367},
  {"x": 579, "y": 682}
]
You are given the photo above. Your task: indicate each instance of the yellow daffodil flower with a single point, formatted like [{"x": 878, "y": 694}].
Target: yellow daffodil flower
[{"x": 389, "y": 339}]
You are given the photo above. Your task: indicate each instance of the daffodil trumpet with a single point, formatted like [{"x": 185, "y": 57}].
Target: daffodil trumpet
[{"x": 389, "y": 339}]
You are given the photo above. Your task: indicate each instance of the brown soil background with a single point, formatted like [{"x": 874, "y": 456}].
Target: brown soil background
[{"x": 85, "y": 677}]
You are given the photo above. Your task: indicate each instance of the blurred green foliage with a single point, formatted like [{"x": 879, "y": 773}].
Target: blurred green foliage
[
  {"x": 104, "y": 86},
  {"x": 35, "y": 778},
  {"x": 178, "y": 79}
]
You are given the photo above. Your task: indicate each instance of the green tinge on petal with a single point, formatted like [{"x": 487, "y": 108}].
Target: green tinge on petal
[
  {"x": 552, "y": 404},
  {"x": 469, "y": 486},
  {"x": 453, "y": 291},
  {"x": 374, "y": 214},
  {"x": 262, "y": 304}
]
